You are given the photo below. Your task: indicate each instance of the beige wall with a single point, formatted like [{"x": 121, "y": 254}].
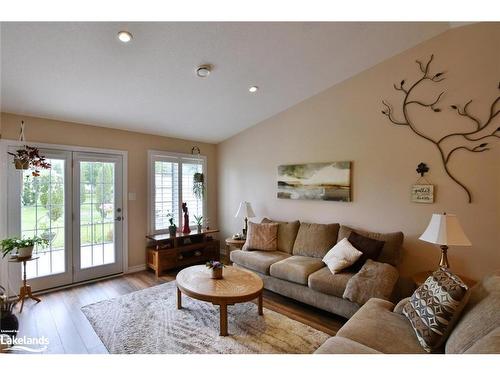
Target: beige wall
[
  {"x": 345, "y": 123},
  {"x": 137, "y": 144}
]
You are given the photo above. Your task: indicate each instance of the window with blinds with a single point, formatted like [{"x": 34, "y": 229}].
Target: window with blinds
[{"x": 171, "y": 184}]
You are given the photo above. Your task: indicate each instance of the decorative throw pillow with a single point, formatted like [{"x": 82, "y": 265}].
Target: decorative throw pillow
[
  {"x": 262, "y": 236},
  {"x": 341, "y": 256},
  {"x": 434, "y": 308},
  {"x": 370, "y": 248},
  {"x": 287, "y": 232}
]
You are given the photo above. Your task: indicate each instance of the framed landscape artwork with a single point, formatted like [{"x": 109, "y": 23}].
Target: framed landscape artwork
[{"x": 317, "y": 181}]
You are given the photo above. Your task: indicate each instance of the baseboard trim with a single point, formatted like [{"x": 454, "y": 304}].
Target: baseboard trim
[{"x": 139, "y": 268}]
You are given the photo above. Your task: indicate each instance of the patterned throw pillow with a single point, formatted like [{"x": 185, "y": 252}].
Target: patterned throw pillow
[
  {"x": 262, "y": 236},
  {"x": 434, "y": 307}
]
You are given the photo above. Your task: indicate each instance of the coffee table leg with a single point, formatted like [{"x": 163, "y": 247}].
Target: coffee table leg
[
  {"x": 223, "y": 319},
  {"x": 260, "y": 304},
  {"x": 179, "y": 299}
]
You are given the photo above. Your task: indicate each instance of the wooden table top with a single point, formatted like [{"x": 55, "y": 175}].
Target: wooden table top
[
  {"x": 233, "y": 241},
  {"x": 236, "y": 283},
  {"x": 420, "y": 277},
  {"x": 167, "y": 236}
]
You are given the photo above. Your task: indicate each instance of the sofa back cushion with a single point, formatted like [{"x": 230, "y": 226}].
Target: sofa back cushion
[
  {"x": 392, "y": 243},
  {"x": 262, "y": 236},
  {"x": 287, "y": 232},
  {"x": 479, "y": 317},
  {"x": 314, "y": 240}
]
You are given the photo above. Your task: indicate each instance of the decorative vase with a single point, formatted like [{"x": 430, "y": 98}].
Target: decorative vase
[
  {"x": 25, "y": 252},
  {"x": 216, "y": 273},
  {"x": 199, "y": 228},
  {"x": 172, "y": 231},
  {"x": 185, "y": 228},
  {"x": 21, "y": 164},
  {"x": 9, "y": 325}
]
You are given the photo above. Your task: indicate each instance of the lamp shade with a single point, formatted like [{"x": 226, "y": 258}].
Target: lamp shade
[
  {"x": 445, "y": 229},
  {"x": 245, "y": 210}
]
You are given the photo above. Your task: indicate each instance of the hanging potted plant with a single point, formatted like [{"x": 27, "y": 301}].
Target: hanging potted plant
[
  {"x": 28, "y": 157},
  {"x": 198, "y": 185},
  {"x": 198, "y": 178}
]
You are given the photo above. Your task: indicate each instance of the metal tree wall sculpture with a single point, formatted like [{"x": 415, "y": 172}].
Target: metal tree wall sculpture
[{"x": 473, "y": 140}]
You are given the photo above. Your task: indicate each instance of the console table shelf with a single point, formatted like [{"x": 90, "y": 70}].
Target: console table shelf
[{"x": 165, "y": 252}]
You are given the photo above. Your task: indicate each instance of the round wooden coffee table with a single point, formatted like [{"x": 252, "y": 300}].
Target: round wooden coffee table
[{"x": 236, "y": 286}]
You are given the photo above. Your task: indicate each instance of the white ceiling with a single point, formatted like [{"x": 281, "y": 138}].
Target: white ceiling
[{"x": 79, "y": 72}]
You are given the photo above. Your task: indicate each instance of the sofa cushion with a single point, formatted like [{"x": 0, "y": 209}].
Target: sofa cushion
[
  {"x": 341, "y": 345},
  {"x": 392, "y": 243},
  {"x": 324, "y": 281},
  {"x": 262, "y": 236},
  {"x": 374, "y": 279},
  {"x": 296, "y": 268},
  {"x": 370, "y": 248},
  {"x": 479, "y": 317},
  {"x": 259, "y": 261},
  {"x": 287, "y": 232},
  {"x": 434, "y": 308},
  {"x": 489, "y": 344},
  {"x": 341, "y": 256},
  {"x": 314, "y": 240},
  {"x": 376, "y": 326}
]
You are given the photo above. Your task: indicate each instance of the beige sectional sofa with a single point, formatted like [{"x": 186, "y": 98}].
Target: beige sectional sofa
[
  {"x": 380, "y": 327},
  {"x": 297, "y": 271}
]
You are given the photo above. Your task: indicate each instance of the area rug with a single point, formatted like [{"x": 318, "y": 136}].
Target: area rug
[{"x": 147, "y": 322}]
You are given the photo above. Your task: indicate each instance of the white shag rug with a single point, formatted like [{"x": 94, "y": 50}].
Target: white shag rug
[{"x": 147, "y": 322}]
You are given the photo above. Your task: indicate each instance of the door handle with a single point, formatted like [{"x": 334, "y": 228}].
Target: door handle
[{"x": 118, "y": 218}]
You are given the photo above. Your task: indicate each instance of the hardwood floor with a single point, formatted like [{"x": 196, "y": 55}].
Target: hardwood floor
[{"x": 59, "y": 318}]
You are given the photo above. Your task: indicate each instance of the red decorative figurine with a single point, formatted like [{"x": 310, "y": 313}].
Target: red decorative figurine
[{"x": 185, "y": 228}]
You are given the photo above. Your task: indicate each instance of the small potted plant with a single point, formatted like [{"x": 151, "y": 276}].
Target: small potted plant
[
  {"x": 216, "y": 268},
  {"x": 9, "y": 324},
  {"x": 29, "y": 157},
  {"x": 172, "y": 229},
  {"x": 24, "y": 246},
  {"x": 199, "y": 222}
]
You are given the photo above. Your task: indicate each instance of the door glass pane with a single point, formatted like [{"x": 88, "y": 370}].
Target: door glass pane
[
  {"x": 195, "y": 205},
  {"x": 165, "y": 194},
  {"x": 42, "y": 214},
  {"x": 97, "y": 213}
]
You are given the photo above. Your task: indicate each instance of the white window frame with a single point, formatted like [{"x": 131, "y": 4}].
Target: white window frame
[{"x": 180, "y": 158}]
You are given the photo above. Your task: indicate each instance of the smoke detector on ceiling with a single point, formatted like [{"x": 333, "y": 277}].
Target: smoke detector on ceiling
[{"x": 203, "y": 71}]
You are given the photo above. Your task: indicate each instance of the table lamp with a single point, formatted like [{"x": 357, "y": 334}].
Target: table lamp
[
  {"x": 245, "y": 211},
  {"x": 445, "y": 230}
]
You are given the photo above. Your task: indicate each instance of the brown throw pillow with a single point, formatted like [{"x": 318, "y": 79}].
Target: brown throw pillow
[
  {"x": 287, "y": 232},
  {"x": 262, "y": 236},
  {"x": 434, "y": 308},
  {"x": 370, "y": 248}
]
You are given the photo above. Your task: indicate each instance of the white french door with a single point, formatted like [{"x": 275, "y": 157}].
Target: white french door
[
  {"x": 98, "y": 215},
  {"x": 76, "y": 205}
]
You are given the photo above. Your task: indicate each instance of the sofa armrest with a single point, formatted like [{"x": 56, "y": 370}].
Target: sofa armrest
[{"x": 398, "y": 309}]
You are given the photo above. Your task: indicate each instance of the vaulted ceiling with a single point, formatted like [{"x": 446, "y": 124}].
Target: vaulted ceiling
[{"x": 80, "y": 72}]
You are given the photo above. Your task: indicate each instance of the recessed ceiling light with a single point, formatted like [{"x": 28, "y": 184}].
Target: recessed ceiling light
[
  {"x": 253, "y": 89},
  {"x": 203, "y": 71},
  {"x": 124, "y": 36}
]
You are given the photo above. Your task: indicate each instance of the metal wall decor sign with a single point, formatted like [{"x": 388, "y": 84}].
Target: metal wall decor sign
[{"x": 471, "y": 140}]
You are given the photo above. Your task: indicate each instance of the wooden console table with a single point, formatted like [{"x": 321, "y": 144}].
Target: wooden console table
[{"x": 165, "y": 252}]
